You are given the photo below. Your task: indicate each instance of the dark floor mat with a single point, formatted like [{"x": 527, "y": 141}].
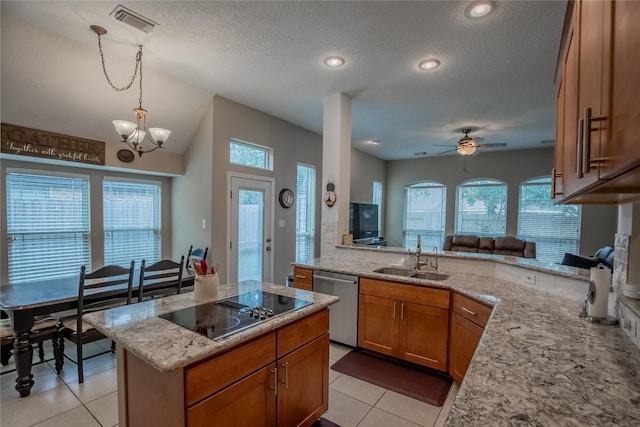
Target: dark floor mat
[{"x": 418, "y": 384}]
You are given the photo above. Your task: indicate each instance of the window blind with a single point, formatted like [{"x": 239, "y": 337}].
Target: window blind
[
  {"x": 48, "y": 225},
  {"x": 131, "y": 222},
  {"x": 554, "y": 228},
  {"x": 482, "y": 208},
  {"x": 425, "y": 209},
  {"x": 305, "y": 212}
]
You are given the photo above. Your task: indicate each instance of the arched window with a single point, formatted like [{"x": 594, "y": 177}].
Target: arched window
[
  {"x": 554, "y": 228},
  {"x": 481, "y": 208},
  {"x": 424, "y": 214}
]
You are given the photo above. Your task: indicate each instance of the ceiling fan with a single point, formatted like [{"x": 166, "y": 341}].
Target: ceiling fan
[{"x": 468, "y": 146}]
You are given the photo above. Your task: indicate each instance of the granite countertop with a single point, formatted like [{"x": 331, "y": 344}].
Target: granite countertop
[
  {"x": 167, "y": 346},
  {"x": 528, "y": 263},
  {"x": 537, "y": 363}
]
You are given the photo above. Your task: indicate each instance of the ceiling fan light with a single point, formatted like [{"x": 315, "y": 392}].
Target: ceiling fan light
[
  {"x": 124, "y": 128},
  {"x": 466, "y": 150},
  {"x": 159, "y": 135}
]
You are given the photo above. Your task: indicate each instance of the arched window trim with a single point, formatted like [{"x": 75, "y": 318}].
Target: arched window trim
[
  {"x": 497, "y": 228},
  {"x": 430, "y": 225}
]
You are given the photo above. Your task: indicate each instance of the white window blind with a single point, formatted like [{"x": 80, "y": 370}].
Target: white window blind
[
  {"x": 554, "y": 228},
  {"x": 482, "y": 208},
  {"x": 305, "y": 213},
  {"x": 48, "y": 226},
  {"x": 131, "y": 222},
  {"x": 425, "y": 214},
  {"x": 377, "y": 200}
]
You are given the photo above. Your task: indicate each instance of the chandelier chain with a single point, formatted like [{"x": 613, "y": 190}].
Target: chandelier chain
[{"x": 135, "y": 70}]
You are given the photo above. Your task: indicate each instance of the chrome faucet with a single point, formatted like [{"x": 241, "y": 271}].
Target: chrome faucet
[
  {"x": 435, "y": 266},
  {"x": 418, "y": 253}
]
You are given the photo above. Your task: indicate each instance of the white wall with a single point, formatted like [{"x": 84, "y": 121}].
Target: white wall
[{"x": 206, "y": 171}]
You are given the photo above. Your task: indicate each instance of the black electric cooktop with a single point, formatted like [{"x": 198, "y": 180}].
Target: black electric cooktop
[{"x": 221, "y": 318}]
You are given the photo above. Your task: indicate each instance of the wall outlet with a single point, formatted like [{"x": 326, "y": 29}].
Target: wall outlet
[
  {"x": 204, "y": 224},
  {"x": 281, "y": 223},
  {"x": 359, "y": 255},
  {"x": 529, "y": 278}
]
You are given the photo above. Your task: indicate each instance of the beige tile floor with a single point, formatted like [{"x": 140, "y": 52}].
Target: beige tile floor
[{"x": 60, "y": 401}]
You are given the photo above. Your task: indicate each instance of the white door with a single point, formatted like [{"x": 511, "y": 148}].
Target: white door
[{"x": 250, "y": 228}]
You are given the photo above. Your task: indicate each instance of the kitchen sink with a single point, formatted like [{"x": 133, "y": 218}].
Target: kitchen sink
[
  {"x": 429, "y": 275},
  {"x": 407, "y": 272},
  {"x": 396, "y": 271}
]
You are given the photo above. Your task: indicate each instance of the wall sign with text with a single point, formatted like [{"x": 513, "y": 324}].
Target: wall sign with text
[{"x": 48, "y": 145}]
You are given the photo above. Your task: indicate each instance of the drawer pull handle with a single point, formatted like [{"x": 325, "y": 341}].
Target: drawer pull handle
[
  {"x": 473, "y": 313},
  {"x": 402, "y": 311},
  {"x": 299, "y": 276}
]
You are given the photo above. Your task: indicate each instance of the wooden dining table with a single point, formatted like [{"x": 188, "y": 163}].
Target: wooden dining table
[{"x": 23, "y": 302}]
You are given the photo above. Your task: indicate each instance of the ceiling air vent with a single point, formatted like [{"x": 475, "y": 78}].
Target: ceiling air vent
[{"x": 134, "y": 19}]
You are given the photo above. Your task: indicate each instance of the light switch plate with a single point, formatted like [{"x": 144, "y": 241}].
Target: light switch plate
[
  {"x": 204, "y": 224},
  {"x": 281, "y": 223}
]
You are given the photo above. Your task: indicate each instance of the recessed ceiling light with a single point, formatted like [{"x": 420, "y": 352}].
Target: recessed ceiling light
[
  {"x": 478, "y": 9},
  {"x": 334, "y": 61},
  {"x": 429, "y": 64}
]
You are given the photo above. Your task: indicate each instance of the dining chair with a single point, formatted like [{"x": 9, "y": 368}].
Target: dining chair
[
  {"x": 108, "y": 287},
  {"x": 162, "y": 278},
  {"x": 198, "y": 252},
  {"x": 43, "y": 329}
]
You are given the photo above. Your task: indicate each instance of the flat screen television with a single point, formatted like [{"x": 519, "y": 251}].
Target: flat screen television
[{"x": 363, "y": 220}]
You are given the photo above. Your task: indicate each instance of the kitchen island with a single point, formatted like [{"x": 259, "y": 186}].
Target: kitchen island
[
  {"x": 272, "y": 372},
  {"x": 537, "y": 362}
]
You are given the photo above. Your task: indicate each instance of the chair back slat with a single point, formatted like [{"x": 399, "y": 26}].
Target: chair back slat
[
  {"x": 112, "y": 283},
  {"x": 161, "y": 278}
]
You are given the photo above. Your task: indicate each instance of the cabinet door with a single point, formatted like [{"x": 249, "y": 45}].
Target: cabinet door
[
  {"x": 303, "y": 384},
  {"x": 593, "y": 64},
  {"x": 465, "y": 336},
  {"x": 303, "y": 278},
  {"x": 249, "y": 402},
  {"x": 424, "y": 335},
  {"x": 623, "y": 152},
  {"x": 378, "y": 324}
]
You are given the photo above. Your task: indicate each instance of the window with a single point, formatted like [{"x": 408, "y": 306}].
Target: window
[
  {"x": 131, "y": 221},
  {"x": 377, "y": 200},
  {"x": 247, "y": 154},
  {"x": 554, "y": 228},
  {"x": 305, "y": 213},
  {"x": 425, "y": 209},
  {"x": 48, "y": 226},
  {"x": 482, "y": 208}
]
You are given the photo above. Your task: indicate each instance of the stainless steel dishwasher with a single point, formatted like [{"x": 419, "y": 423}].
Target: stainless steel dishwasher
[{"x": 343, "y": 323}]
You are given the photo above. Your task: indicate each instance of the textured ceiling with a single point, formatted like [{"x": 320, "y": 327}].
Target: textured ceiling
[{"x": 496, "y": 73}]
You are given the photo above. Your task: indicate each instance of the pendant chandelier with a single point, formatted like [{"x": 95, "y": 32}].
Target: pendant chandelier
[{"x": 136, "y": 135}]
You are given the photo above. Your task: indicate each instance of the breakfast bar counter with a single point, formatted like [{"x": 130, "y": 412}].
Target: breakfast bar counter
[{"x": 537, "y": 362}]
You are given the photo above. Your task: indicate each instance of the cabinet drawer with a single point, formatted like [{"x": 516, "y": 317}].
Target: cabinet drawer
[
  {"x": 303, "y": 278},
  {"x": 405, "y": 292},
  {"x": 471, "y": 309},
  {"x": 303, "y": 331},
  {"x": 210, "y": 376}
]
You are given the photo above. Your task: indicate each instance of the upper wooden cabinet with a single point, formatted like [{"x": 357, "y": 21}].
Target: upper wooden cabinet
[{"x": 597, "y": 157}]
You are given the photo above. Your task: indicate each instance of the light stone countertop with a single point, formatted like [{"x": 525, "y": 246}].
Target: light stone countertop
[
  {"x": 167, "y": 346},
  {"x": 537, "y": 363}
]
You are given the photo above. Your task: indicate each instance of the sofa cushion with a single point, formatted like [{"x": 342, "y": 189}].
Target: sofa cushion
[
  {"x": 465, "y": 240},
  {"x": 486, "y": 245}
]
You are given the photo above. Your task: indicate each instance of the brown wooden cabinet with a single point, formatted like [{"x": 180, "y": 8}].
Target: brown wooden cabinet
[
  {"x": 598, "y": 116},
  {"x": 278, "y": 379},
  {"x": 404, "y": 321},
  {"x": 303, "y": 278},
  {"x": 468, "y": 319}
]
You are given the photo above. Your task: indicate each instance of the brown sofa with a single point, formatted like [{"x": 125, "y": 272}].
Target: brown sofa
[{"x": 505, "y": 245}]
